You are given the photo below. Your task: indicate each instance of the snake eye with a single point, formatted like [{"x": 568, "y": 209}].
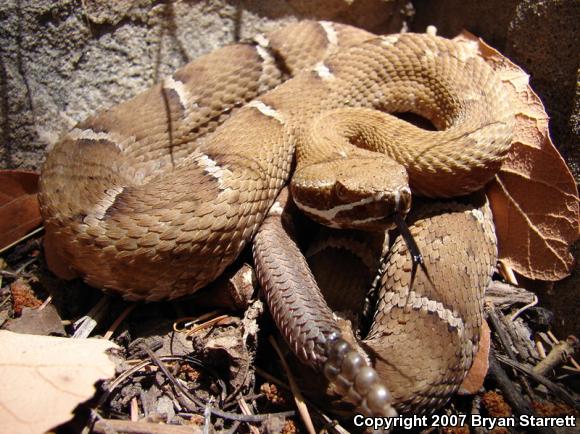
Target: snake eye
[{"x": 340, "y": 191}]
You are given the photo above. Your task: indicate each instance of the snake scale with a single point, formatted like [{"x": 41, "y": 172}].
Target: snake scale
[{"x": 155, "y": 197}]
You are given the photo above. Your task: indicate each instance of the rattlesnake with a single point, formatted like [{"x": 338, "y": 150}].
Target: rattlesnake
[{"x": 153, "y": 198}]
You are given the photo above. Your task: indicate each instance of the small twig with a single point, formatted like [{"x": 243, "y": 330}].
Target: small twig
[
  {"x": 25, "y": 237},
  {"x": 507, "y": 273},
  {"x": 493, "y": 315},
  {"x": 45, "y": 303},
  {"x": 105, "y": 426},
  {"x": 85, "y": 325},
  {"x": 246, "y": 410},
  {"x": 298, "y": 398},
  {"x": 207, "y": 416},
  {"x": 560, "y": 352},
  {"x": 553, "y": 387},
  {"x": 509, "y": 391},
  {"x": 555, "y": 340},
  {"x": 541, "y": 349},
  {"x": 20, "y": 269},
  {"x": 214, "y": 411},
  {"x": 504, "y": 295},
  {"x": 280, "y": 383},
  {"x": 192, "y": 320},
  {"x": 206, "y": 324},
  {"x": 134, "y": 410},
  {"x": 119, "y": 320},
  {"x": 522, "y": 309}
]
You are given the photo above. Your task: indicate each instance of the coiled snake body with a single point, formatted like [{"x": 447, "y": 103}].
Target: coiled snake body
[{"x": 153, "y": 198}]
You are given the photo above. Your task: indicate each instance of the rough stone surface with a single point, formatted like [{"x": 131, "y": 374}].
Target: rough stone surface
[{"x": 63, "y": 60}]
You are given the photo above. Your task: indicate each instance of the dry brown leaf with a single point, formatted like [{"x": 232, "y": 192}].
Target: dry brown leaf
[
  {"x": 19, "y": 209},
  {"x": 43, "y": 378},
  {"x": 534, "y": 197},
  {"x": 473, "y": 381}
]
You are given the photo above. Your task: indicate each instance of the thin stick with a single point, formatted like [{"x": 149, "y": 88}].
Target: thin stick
[
  {"x": 508, "y": 273},
  {"x": 555, "y": 388},
  {"x": 106, "y": 426},
  {"x": 192, "y": 319},
  {"x": 134, "y": 410},
  {"x": 246, "y": 410},
  {"x": 206, "y": 324},
  {"x": 541, "y": 349},
  {"x": 559, "y": 354},
  {"x": 272, "y": 379},
  {"x": 45, "y": 302},
  {"x": 298, "y": 397},
  {"x": 522, "y": 309},
  {"x": 28, "y": 235},
  {"x": 119, "y": 320},
  {"x": 214, "y": 411}
]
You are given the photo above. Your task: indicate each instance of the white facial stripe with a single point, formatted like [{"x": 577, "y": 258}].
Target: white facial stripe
[
  {"x": 367, "y": 220},
  {"x": 330, "y": 31},
  {"x": 180, "y": 89},
  {"x": 330, "y": 214},
  {"x": 212, "y": 169},
  {"x": 266, "y": 110},
  {"x": 323, "y": 72},
  {"x": 119, "y": 141}
]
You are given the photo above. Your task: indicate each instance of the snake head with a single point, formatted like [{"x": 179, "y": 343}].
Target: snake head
[{"x": 355, "y": 193}]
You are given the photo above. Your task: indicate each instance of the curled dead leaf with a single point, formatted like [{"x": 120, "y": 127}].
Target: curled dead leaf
[
  {"x": 534, "y": 197},
  {"x": 19, "y": 208}
]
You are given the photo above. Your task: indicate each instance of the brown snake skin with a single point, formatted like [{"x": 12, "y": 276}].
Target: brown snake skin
[
  {"x": 422, "y": 344},
  {"x": 153, "y": 198}
]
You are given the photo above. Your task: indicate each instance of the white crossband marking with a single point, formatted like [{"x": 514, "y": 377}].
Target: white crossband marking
[
  {"x": 425, "y": 304},
  {"x": 212, "y": 169},
  {"x": 323, "y": 72},
  {"x": 330, "y": 31},
  {"x": 266, "y": 110},
  {"x": 262, "y": 40},
  {"x": 264, "y": 54},
  {"x": 119, "y": 141},
  {"x": 180, "y": 89}
]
